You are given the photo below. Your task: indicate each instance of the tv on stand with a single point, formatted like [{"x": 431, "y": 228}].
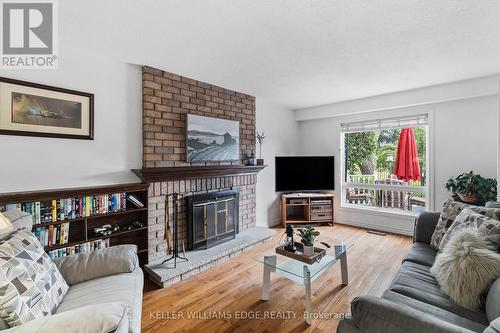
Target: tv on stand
[
  {"x": 304, "y": 173},
  {"x": 306, "y": 183}
]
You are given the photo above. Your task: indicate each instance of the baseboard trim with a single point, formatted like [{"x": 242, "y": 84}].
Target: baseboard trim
[
  {"x": 274, "y": 223},
  {"x": 399, "y": 231},
  {"x": 377, "y": 227}
]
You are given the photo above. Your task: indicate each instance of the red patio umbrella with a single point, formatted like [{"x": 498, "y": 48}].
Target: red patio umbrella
[{"x": 407, "y": 166}]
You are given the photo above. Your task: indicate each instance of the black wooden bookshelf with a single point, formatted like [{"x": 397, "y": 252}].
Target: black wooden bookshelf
[{"x": 81, "y": 229}]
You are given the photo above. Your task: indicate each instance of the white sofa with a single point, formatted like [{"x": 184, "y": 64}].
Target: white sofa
[{"x": 97, "y": 280}]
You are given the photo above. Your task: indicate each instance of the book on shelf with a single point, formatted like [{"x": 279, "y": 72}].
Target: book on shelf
[
  {"x": 53, "y": 234},
  {"x": 79, "y": 248},
  {"x": 12, "y": 207},
  {"x": 72, "y": 208}
]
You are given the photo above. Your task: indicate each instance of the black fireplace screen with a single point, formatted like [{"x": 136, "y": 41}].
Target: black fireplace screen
[{"x": 212, "y": 218}]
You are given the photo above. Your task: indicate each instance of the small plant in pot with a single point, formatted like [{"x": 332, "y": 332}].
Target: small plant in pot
[
  {"x": 308, "y": 236},
  {"x": 472, "y": 188}
]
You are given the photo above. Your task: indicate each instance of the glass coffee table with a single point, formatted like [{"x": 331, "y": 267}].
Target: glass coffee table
[{"x": 301, "y": 272}]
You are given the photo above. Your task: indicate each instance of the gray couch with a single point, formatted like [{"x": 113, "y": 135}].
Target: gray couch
[
  {"x": 107, "y": 280},
  {"x": 414, "y": 302}
]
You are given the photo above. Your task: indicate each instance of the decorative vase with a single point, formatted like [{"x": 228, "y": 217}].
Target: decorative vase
[
  {"x": 260, "y": 161},
  {"x": 308, "y": 251}
]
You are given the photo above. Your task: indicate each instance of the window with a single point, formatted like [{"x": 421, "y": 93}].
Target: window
[{"x": 371, "y": 178}]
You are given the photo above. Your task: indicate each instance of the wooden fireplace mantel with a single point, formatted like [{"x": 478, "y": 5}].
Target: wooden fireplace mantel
[{"x": 152, "y": 175}]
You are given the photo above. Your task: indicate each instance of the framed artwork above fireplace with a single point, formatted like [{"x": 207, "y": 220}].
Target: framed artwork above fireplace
[{"x": 212, "y": 139}]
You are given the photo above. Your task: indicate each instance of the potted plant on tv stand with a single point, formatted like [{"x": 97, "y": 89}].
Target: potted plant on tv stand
[{"x": 308, "y": 236}]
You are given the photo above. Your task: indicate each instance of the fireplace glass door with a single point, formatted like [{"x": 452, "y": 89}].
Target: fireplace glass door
[
  {"x": 225, "y": 216},
  {"x": 213, "y": 221}
]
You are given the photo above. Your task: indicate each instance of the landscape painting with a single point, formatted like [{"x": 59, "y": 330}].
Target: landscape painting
[
  {"x": 45, "y": 111},
  {"x": 33, "y": 109},
  {"x": 212, "y": 139}
]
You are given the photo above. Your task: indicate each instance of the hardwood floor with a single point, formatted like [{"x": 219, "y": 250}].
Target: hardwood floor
[{"x": 233, "y": 288}]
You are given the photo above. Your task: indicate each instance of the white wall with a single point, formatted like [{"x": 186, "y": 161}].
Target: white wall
[
  {"x": 33, "y": 163},
  {"x": 281, "y": 131},
  {"x": 463, "y": 137},
  {"x": 480, "y": 87}
]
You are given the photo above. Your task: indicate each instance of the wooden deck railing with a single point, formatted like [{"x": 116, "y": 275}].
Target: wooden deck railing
[{"x": 384, "y": 192}]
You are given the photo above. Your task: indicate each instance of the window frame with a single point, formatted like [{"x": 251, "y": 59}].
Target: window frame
[{"x": 428, "y": 189}]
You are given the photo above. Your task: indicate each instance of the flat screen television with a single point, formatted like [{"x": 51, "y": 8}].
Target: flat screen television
[{"x": 304, "y": 173}]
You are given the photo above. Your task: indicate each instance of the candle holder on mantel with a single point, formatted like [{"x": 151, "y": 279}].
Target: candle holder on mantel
[
  {"x": 173, "y": 241},
  {"x": 260, "y": 139},
  {"x": 249, "y": 160}
]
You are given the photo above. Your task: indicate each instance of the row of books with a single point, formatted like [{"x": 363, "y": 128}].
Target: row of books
[
  {"x": 53, "y": 234},
  {"x": 72, "y": 208},
  {"x": 79, "y": 248}
]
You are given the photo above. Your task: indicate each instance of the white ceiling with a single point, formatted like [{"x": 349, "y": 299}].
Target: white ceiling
[{"x": 298, "y": 53}]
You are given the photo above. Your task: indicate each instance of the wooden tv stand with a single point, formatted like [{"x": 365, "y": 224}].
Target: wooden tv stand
[{"x": 303, "y": 208}]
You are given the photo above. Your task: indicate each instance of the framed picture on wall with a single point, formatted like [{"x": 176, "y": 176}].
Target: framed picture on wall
[
  {"x": 212, "y": 139},
  {"x": 33, "y": 109}
]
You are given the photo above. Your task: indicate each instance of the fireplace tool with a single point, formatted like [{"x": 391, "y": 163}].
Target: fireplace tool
[{"x": 168, "y": 236}]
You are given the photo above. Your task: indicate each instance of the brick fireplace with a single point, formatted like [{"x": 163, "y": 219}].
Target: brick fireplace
[{"x": 167, "y": 99}]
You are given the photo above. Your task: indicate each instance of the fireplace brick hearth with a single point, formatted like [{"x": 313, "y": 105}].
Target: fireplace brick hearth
[{"x": 167, "y": 99}]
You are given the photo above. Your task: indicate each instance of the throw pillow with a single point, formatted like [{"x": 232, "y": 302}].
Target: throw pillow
[
  {"x": 448, "y": 214},
  {"x": 466, "y": 268},
  {"x": 492, "y": 204},
  {"x": 5, "y": 226},
  {"x": 31, "y": 286},
  {"x": 91, "y": 265},
  {"x": 450, "y": 211},
  {"x": 486, "y": 227},
  {"x": 19, "y": 219}
]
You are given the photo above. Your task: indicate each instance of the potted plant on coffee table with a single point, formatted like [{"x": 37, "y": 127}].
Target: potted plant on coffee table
[
  {"x": 308, "y": 236},
  {"x": 472, "y": 188}
]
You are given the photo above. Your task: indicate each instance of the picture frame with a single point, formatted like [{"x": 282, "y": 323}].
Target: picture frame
[
  {"x": 33, "y": 109},
  {"x": 210, "y": 139}
]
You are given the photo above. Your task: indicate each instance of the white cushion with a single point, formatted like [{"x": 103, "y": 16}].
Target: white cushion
[{"x": 99, "y": 318}]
